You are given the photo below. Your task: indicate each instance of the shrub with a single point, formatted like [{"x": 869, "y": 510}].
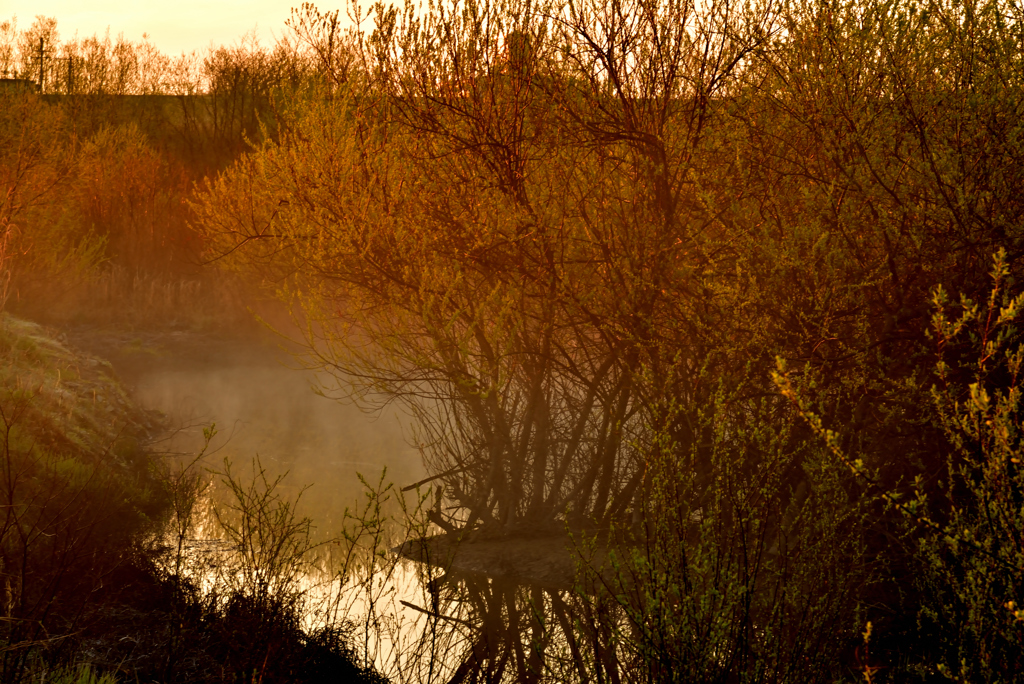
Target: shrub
[
  {"x": 970, "y": 521},
  {"x": 746, "y": 563}
]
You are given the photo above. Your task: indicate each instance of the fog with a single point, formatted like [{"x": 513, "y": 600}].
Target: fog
[{"x": 263, "y": 405}]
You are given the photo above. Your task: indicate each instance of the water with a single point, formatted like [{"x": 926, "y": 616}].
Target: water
[
  {"x": 263, "y": 405},
  {"x": 411, "y": 621}
]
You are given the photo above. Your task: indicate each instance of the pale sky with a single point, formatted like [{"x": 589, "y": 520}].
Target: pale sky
[{"x": 174, "y": 26}]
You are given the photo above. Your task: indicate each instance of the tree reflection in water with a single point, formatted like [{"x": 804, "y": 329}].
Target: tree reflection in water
[{"x": 474, "y": 628}]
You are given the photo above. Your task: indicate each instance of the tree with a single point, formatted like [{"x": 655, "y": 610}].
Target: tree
[
  {"x": 501, "y": 221},
  {"x": 33, "y": 164},
  {"x": 576, "y": 237}
]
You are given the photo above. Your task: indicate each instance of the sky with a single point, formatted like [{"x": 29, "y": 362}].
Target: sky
[{"x": 173, "y": 26}]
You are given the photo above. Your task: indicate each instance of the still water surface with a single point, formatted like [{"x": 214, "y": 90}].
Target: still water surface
[{"x": 414, "y": 624}]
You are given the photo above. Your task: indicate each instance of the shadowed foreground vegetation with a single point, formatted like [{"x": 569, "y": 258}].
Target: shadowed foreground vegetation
[
  {"x": 725, "y": 294},
  {"x": 97, "y": 575}
]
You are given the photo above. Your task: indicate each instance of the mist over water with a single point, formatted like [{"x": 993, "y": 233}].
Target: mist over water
[{"x": 264, "y": 405}]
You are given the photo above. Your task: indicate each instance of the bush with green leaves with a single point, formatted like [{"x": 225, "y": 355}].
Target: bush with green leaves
[
  {"x": 748, "y": 568},
  {"x": 970, "y": 518}
]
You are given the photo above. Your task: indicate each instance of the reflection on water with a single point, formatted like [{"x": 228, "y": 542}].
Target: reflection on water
[
  {"x": 414, "y": 622},
  {"x": 418, "y": 625},
  {"x": 476, "y": 629}
]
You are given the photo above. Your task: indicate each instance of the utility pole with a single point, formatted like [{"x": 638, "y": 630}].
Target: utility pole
[{"x": 41, "y": 73}]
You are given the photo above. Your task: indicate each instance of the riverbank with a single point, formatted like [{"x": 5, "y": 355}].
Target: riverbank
[{"x": 91, "y": 584}]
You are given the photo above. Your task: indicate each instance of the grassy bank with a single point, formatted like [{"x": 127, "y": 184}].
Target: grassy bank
[{"x": 92, "y": 581}]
